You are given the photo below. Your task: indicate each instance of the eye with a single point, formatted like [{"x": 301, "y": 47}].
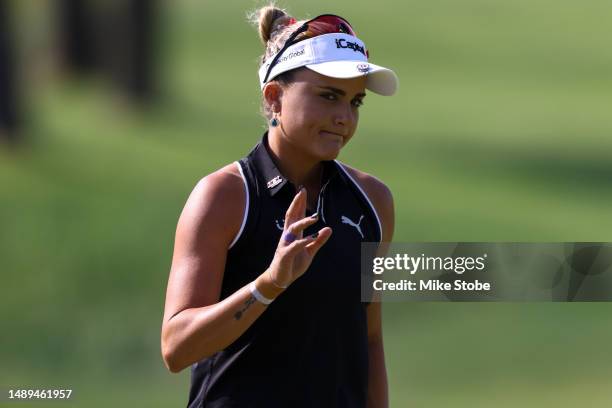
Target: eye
[
  {"x": 357, "y": 102},
  {"x": 330, "y": 96}
]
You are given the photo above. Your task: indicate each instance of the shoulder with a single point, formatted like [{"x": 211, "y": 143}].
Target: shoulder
[
  {"x": 216, "y": 205},
  {"x": 206, "y": 227},
  {"x": 373, "y": 187},
  {"x": 379, "y": 194},
  {"x": 226, "y": 180}
]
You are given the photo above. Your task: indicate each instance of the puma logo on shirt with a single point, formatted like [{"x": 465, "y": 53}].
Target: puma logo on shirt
[{"x": 347, "y": 220}]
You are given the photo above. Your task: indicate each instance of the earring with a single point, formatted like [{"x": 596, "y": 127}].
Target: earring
[{"x": 274, "y": 122}]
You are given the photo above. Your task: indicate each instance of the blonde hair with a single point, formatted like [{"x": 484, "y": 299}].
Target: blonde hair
[{"x": 274, "y": 25}]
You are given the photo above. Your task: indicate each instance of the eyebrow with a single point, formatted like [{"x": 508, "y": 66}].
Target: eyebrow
[{"x": 340, "y": 91}]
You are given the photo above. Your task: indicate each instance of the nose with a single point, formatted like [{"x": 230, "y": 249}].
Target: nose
[{"x": 345, "y": 116}]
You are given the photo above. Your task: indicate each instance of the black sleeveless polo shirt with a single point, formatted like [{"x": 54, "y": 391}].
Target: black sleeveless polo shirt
[{"x": 309, "y": 348}]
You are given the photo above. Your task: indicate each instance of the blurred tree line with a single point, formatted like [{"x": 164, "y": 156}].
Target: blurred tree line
[{"x": 114, "y": 38}]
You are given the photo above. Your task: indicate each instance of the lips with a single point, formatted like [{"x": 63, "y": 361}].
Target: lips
[{"x": 331, "y": 134}]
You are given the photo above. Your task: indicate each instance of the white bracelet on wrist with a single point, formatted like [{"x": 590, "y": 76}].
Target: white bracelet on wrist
[{"x": 257, "y": 294}]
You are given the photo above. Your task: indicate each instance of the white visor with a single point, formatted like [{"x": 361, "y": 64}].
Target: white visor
[{"x": 333, "y": 55}]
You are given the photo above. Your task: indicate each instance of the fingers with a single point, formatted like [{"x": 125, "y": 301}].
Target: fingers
[
  {"x": 299, "y": 244},
  {"x": 295, "y": 230},
  {"x": 312, "y": 243},
  {"x": 295, "y": 223},
  {"x": 316, "y": 244},
  {"x": 297, "y": 208},
  {"x": 299, "y": 226}
]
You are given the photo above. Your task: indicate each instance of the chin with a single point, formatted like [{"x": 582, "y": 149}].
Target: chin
[
  {"x": 328, "y": 147},
  {"x": 329, "y": 154}
]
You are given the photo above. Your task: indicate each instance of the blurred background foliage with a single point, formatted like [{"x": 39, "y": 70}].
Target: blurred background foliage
[{"x": 500, "y": 132}]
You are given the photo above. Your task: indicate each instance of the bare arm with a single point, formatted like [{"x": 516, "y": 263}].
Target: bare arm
[
  {"x": 380, "y": 195},
  {"x": 196, "y": 324},
  {"x": 378, "y": 392},
  {"x": 378, "y": 389}
]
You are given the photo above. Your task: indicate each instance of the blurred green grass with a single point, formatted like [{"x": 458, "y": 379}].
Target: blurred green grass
[{"x": 499, "y": 132}]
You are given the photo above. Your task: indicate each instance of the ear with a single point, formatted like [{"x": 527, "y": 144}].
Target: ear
[{"x": 273, "y": 93}]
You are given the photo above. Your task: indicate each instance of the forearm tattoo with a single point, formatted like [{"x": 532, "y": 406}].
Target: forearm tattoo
[{"x": 247, "y": 304}]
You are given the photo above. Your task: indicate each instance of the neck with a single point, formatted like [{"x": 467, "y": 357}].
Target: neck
[{"x": 300, "y": 169}]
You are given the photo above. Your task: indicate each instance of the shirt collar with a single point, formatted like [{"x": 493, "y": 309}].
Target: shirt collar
[{"x": 273, "y": 179}]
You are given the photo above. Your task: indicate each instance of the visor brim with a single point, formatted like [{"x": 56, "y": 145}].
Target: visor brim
[{"x": 380, "y": 80}]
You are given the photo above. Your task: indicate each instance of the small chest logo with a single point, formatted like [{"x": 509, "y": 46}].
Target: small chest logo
[
  {"x": 280, "y": 224},
  {"x": 347, "y": 220},
  {"x": 275, "y": 182}
]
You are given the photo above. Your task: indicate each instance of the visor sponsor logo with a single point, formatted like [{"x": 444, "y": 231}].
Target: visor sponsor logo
[
  {"x": 291, "y": 55},
  {"x": 363, "y": 67},
  {"x": 342, "y": 43}
]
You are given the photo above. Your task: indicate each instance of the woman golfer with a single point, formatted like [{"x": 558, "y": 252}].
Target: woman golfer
[{"x": 263, "y": 299}]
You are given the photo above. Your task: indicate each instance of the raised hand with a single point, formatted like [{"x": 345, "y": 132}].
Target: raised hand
[{"x": 295, "y": 252}]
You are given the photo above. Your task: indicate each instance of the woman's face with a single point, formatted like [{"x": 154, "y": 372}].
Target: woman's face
[{"x": 319, "y": 114}]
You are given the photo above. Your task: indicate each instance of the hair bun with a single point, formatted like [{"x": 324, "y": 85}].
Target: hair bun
[{"x": 271, "y": 19}]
